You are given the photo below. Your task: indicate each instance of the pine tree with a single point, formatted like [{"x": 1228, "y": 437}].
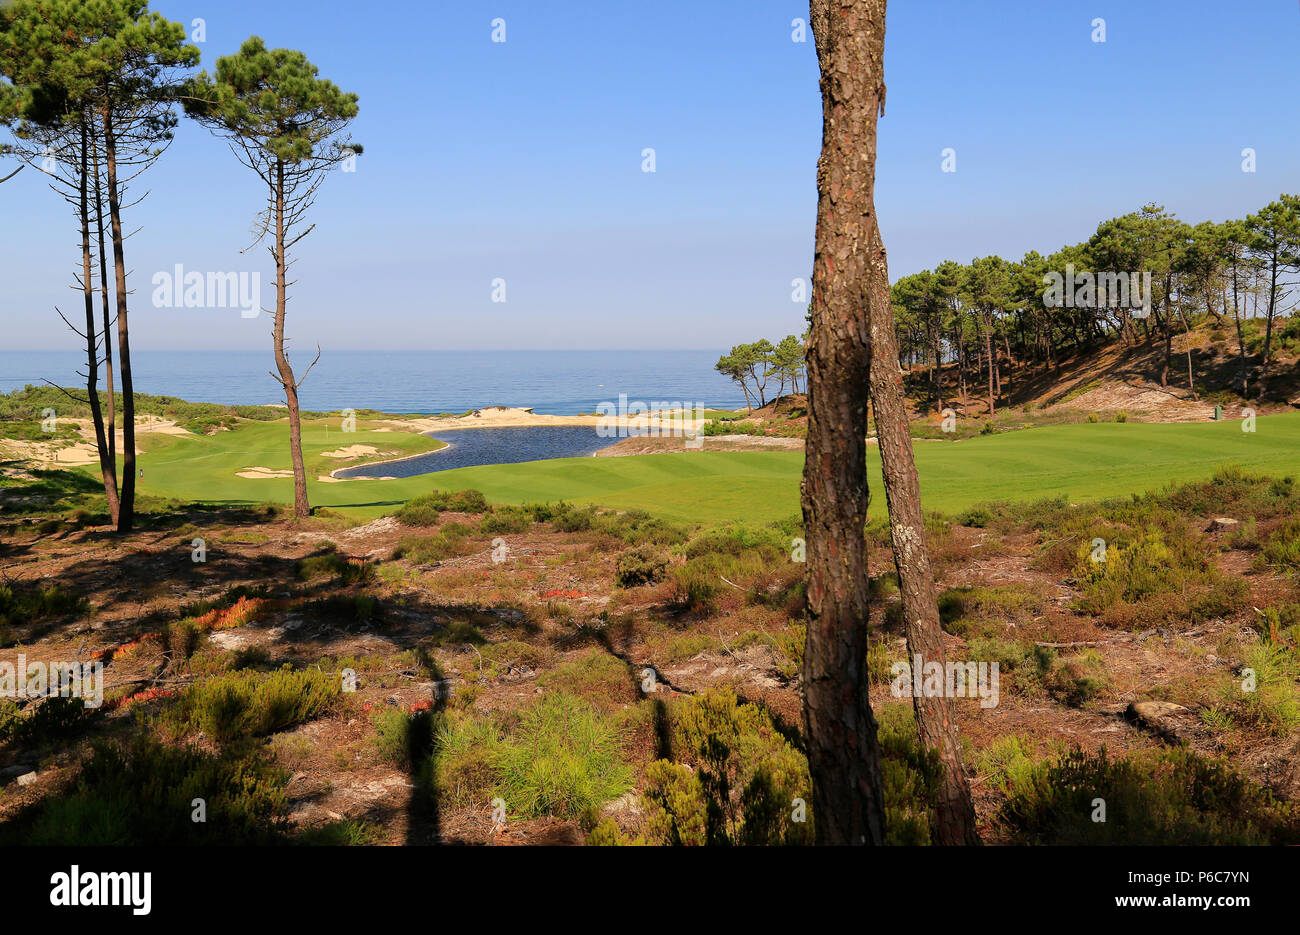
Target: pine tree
[{"x": 287, "y": 125}]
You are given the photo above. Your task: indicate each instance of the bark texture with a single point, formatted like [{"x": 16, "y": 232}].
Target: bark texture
[
  {"x": 843, "y": 751},
  {"x": 936, "y": 718}
]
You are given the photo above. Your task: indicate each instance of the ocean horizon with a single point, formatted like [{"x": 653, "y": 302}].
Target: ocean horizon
[{"x": 407, "y": 381}]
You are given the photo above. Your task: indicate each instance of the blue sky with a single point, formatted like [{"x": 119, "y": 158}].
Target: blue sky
[{"x": 522, "y": 160}]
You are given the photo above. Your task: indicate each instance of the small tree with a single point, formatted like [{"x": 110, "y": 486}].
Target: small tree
[
  {"x": 285, "y": 124},
  {"x": 788, "y": 362}
]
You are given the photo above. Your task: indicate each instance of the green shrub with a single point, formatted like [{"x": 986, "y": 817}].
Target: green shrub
[
  {"x": 424, "y": 509},
  {"x": 348, "y": 571},
  {"x": 243, "y": 704},
  {"x": 35, "y": 604},
  {"x": 562, "y": 761},
  {"x": 506, "y": 520},
  {"x": 1171, "y": 797},
  {"x": 419, "y": 511},
  {"x": 401, "y": 738},
  {"x": 640, "y": 565},
  {"x": 1283, "y": 545},
  {"x": 717, "y": 427},
  {"x": 450, "y": 542},
  {"x": 1078, "y": 679},
  {"x": 596, "y": 676},
  {"x": 42, "y": 722},
  {"x": 143, "y": 793},
  {"x": 745, "y": 781}
]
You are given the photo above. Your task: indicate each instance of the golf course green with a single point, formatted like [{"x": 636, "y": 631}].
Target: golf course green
[{"x": 1084, "y": 462}]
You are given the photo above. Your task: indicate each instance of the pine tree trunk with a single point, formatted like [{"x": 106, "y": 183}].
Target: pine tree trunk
[
  {"x": 988, "y": 359},
  {"x": 107, "y": 468},
  {"x": 301, "y": 508},
  {"x": 936, "y": 718},
  {"x": 843, "y": 752},
  {"x": 1262, "y": 387},
  {"x": 126, "y": 513},
  {"x": 110, "y": 415},
  {"x": 1241, "y": 340}
]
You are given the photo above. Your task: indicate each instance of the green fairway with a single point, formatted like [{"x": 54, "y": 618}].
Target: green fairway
[{"x": 1084, "y": 462}]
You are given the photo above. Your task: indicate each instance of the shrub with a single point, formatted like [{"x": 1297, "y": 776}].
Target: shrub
[
  {"x": 461, "y": 767},
  {"x": 424, "y": 509},
  {"x": 1170, "y": 797},
  {"x": 563, "y": 760},
  {"x": 1079, "y": 678},
  {"x": 450, "y": 542},
  {"x": 1154, "y": 570},
  {"x": 36, "y": 604},
  {"x": 716, "y": 427},
  {"x": 1283, "y": 545},
  {"x": 348, "y": 570},
  {"x": 243, "y": 704},
  {"x": 142, "y": 793},
  {"x": 596, "y": 676},
  {"x": 962, "y": 607},
  {"x": 745, "y": 778},
  {"x": 641, "y": 565},
  {"x": 49, "y": 720},
  {"x": 1009, "y": 766},
  {"x": 1272, "y": 705},
  {"x": 402, "y": 737},
  {"x": 419, "y": 511},
  {"x": 507, "y": 520}
]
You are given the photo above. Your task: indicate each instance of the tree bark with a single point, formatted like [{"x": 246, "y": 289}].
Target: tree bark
[
  {"x": 843, "y": 751},
  {"x": 301, "y": 508},
  {"x": 936, "y": 718},
  {"x": 107, "y": 467},
  {"x": 1241, "y": 340},
  {"x": 126, "y": 512},
  {"x": 110, "y": 416},
  {"x": 1262, "y": 385}
]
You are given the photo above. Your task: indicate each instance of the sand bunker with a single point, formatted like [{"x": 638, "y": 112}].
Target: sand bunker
[
  {"x": 351, "y": 451},
  {"x": 261, "y": 473},
  {"x": 82, "y": 452}
]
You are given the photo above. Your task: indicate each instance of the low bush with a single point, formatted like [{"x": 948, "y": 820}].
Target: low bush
[
  {"x": 1170, "y": 797},
  {"x": 640, "y": 565},
  {"x": 245, "y": 704}
]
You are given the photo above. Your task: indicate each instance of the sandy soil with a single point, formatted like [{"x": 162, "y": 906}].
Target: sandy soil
[
  {"x": 351, "y": 451},
  {"x": 262, "y": 473},
  {"x": 82, "y": 452},
  {"x": 514, "y": 416}
]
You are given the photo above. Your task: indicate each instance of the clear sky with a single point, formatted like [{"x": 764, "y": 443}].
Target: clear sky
[{"x": 522, "y": 161}]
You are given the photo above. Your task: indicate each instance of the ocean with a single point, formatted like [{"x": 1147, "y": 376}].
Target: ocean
[{"x": 552, "y": 382}]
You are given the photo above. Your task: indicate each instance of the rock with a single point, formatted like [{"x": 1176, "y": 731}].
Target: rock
[
  {"x": 228, "y": 639},
  {"x": 1223, "y": 524},
  {"x": 12, "y": 772},
  {"x": 1163, "y": 718},
  {"x": 26, "y": 779}
]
